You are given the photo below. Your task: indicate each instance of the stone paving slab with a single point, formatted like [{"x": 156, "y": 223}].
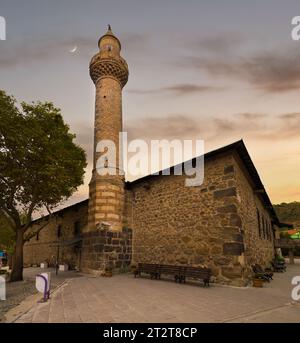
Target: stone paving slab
[{"x": 123, "y": 298}]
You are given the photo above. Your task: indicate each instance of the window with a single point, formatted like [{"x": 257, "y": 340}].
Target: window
[
  {"x": 264, "y": 228},
  {"x": 77, "y": 229},
  {"x": 107, "y": 47},
  {"x": 259, "y": 224},
  {"x": 270, "y": 231},
  {"x": 59, "y": 231},
  {"x": 37, "y": 236}
]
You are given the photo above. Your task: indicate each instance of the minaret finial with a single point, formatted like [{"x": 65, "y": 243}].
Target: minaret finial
[{"x": 109, "y": 27}]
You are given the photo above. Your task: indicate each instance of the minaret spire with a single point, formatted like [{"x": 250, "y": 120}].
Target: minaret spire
[{"x": 109, "y": 72}]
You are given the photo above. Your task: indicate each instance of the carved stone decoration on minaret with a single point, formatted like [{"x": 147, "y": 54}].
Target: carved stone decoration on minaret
[{"x": 109, "y": 72}]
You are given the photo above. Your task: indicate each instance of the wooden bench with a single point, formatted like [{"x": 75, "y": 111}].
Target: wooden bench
[
  {"x": 197, "y": 273},
  {"x": 147, "y": 268},
  {"x": 180, "y": 273},
  {"x": 167, "y": 269}
]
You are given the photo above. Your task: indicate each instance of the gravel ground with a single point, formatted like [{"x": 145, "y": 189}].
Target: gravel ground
[{"x": 16, "y": 292}]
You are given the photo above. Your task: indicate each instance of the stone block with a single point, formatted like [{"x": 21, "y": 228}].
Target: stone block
[
  {"x": 233, "y": 249},
  {"x": 238, "y": 238},
  {"x": 107, "y": 208},
  {"x": 215, "y": 250},
  {"x": 199, "y": 259},
  {"x": 202, "y": 250},
  {"x": 108, "y": 194},
  {"x": 228, "y": 169},
  {"x": 108, "y": 248},
  {"x": 113, "y": 216},
  {"x": 227, "y": 192},
  {"x": 232, "y": 272},
  {"x": 227, "y": 209},
  {"x": 221, "y": 260},
  {"x": 98, "y": 247},
  {"x": 235, "y": 220}
]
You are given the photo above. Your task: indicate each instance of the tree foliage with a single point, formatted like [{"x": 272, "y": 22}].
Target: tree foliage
[
  {"x": 7, "y": 235},
  {"x": 288, "y": 212},
  {"x": 40, "y": 165}
]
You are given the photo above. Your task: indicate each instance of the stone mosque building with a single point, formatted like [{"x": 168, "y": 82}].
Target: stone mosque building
[{"x": 228, "y": 223}]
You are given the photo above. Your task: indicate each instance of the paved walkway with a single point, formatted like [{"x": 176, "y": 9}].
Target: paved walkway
[
  {"x": 16, "y": 292},
  {"x": 125, "y": 299}
]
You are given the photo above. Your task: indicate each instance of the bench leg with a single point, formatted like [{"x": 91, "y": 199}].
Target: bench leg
[
  {"x": 206, "y": 283},
  {"x": 182, "y": 279}
]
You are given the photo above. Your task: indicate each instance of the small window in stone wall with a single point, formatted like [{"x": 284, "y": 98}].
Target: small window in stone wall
[
  {"x": 77, "y": 228},
  {"x": 259, "y": 224},
  {"x": 37, "y": 236},
  {"x": 271, "y": 231},
  {"x": 264, "y": 227},
  {"x": 265, "y": 230},
  {"x": 59, "y": 231}
]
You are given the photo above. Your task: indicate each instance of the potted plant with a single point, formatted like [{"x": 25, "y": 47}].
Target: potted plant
[
  {"x": 257, "y": 281},
  {"x": 108, "y": 271}
]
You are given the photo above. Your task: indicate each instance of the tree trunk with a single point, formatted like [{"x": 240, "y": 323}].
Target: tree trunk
[
  {"x": 9, "y": 261},
  {"x": 17, "y": 258}
]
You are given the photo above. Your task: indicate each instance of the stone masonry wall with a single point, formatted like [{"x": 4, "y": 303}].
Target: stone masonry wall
[
  {"x": 198, "y": 226},
  {"x": 44, "y": 247},
  {"x": 258, "y": 239},
  {"x": 105, "y": 248}
]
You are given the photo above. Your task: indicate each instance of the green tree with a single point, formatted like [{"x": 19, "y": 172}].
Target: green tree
[
  {"x": 288, "y": 212},
  {"x": 40, "y": 166},
  {"x": 7, "y": 235}
]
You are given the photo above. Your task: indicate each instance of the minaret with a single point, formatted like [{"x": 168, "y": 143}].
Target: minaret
[{"x": 109, "y": 72}]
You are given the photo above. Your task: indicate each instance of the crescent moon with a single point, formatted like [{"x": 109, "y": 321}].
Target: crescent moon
[{"x": 74, "y": 49}]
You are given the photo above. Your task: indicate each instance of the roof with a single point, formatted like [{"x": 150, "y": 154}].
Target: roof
[
  {"x": 111, "y": 34},
  {"x": 238, "y": 147},
  {"x": 77, "y": 204},
  {"x": 285, "y": 226}
]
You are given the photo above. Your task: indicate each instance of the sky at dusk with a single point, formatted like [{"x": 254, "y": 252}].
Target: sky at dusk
[{"x": 213, "y": 70}]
